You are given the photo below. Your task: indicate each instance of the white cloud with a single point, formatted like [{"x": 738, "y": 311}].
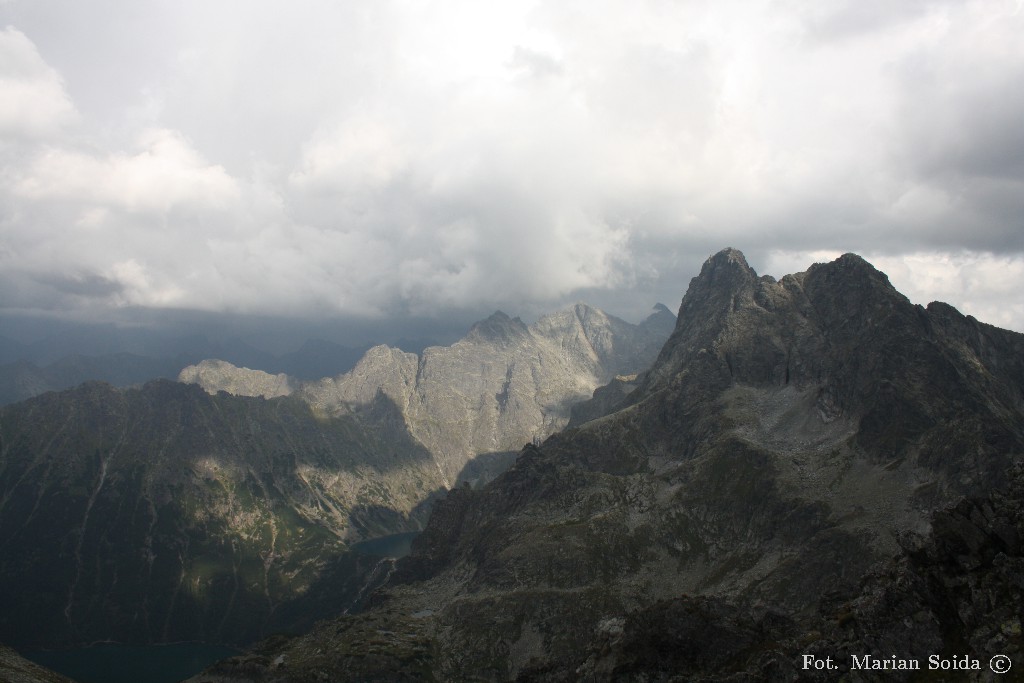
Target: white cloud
[
  {"x": 356, "y": 155},
  {"x": 33, "y": 102},
  {"x": 164, "y": 173},
  {"x": 986, "y": 286}
]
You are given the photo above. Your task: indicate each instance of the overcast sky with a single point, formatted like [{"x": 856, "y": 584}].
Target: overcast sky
[{"x": 333, "y": 159}]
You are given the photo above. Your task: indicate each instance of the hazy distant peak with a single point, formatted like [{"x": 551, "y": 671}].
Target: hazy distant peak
[
  {"x": 498, "y": 327},
  {"x": 661, "y": 308},
  {"x": 584, "y": 310},
  {"x": 661, "y": 316},
  {"x": 217, "y": 375}
]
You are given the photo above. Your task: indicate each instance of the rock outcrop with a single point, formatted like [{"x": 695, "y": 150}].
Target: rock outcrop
[
  {"x": 16, "y": 669},
  {"x": 789, "y": 435},
  {"x": 217, "y": 375}
]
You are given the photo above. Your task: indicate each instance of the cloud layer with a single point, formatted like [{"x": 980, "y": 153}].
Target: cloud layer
[{"x": 372, "y": 159}]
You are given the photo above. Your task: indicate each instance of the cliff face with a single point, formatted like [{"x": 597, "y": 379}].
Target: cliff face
[
  {"x": 788, "y": 435},
  {"x": 503, "y": 385}
]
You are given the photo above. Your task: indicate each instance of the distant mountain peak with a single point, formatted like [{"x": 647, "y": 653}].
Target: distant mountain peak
[
  {"x": 498, "y": 327},
  {"x": 583, "y": 310}
]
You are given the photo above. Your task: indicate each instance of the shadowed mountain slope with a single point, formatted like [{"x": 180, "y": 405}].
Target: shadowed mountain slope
[
  {"x": 166, "y": 514},
  {"x": 788, "y": 435}
]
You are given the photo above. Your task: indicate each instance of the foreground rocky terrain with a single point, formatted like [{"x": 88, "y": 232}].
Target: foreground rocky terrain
[
  {"x": 774, "y": 486},
  {"x": 168, "y": 513},
  {"x": 17, "y": 669}
]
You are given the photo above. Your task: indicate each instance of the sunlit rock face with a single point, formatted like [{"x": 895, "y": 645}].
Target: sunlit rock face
[
  {"x": 218, "y": 375},
  {"x": 791, "y": 436},
  {"x": 504, "y": 385}
]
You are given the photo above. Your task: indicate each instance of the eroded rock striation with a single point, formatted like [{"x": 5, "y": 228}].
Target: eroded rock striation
[{"x": 790, "y": 437}]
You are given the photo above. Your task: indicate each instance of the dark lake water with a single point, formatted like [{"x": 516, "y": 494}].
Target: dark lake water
[
  {"x": 132, "y": 663},
  {"x": 395, "y": 545}
]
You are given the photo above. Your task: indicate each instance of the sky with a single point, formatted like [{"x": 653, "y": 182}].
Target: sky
[{"x": 337, "y": 160}]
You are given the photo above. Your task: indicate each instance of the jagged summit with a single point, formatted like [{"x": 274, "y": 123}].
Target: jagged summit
[
  {"x": 726, "y": 256},
  {"x": 728, "y": 264},
  {"x": 720, "y": 276},
  {"x": 660, "y": 308},
  {"x": 498, "y": 327}
]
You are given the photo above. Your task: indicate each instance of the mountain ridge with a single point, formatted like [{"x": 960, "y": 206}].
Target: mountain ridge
[{"x": 515, "y": 382}]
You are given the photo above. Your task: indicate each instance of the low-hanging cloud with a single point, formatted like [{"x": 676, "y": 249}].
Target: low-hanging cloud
[{"x": 390, "y": 158}]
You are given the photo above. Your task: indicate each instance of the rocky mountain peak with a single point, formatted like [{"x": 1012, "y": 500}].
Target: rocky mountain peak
[
  {"x": 728, "y": 263},
  {"x": 585, "y": 311},
  {"x": 713, "y": 291},
  {"x": 851, "y": 282},
  {"x": 661, "y": 309},
  {"x": 498, "y": 327},
  {"x": 728, "y": 255}
]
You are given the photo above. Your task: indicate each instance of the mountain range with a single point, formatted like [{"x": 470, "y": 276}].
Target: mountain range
[
  {"x": 504, "y": 384},
  {"x": 166, "y": 512},
  {"x": 23, "y": 378},
  {"x": 812, "y": 466}
]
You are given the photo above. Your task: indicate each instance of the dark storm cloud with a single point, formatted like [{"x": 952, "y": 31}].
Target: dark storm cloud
[{"x": 86, "y": 286}]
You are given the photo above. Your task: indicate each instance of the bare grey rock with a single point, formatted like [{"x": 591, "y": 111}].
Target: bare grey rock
[{"x": 217, "y": 375}]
